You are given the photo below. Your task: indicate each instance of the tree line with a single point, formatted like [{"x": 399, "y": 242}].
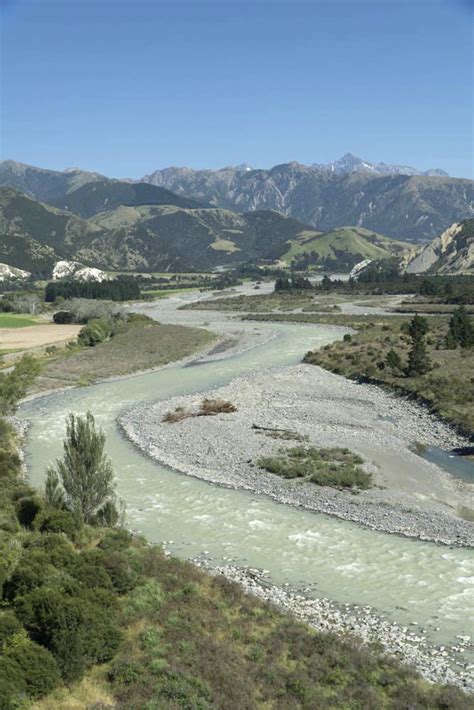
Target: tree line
[{"x": 123, "y": 288}]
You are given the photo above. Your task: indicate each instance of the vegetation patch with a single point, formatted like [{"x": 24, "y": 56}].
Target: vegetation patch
[
  {"x": 136, "y": 343},
  {"x": 207, "y": 408},
  {"x": 338, "y": 468},
  {"x": 431, "y": 364}
]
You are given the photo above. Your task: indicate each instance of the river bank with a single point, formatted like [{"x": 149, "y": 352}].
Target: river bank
[
  {"x": 411, "y": 496},
  {"x": 438, "y": 664}
]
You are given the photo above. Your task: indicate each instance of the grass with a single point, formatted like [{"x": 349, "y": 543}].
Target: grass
[
  {"x": 18, "y": 320},
  {"x": 351, "y": 240},
  {"x": 140, "y": 345},
  {"x": 448, "y": 388},
  {"x": 195, "y": 641},
  {"x": 338, "y": 468}
]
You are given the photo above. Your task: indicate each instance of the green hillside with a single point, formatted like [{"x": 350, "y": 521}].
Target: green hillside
[
  {"x": 133, "y": 227},
  {"x": 344, "y": 246},
  {"x": 94, "y": 197}
]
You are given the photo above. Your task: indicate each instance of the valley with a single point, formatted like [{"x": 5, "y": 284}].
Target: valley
[{"x": 234, "y": 529}]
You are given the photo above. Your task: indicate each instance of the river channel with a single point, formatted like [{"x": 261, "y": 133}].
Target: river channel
[{"x": 402, "y": 579}]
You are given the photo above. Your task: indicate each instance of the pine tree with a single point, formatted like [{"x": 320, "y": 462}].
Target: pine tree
[
  {"x": 418, "y": 360},
  {"x": 461, "y": 328},
  {"x": 85, "y": 471},
  {"x": 393, "y": 360}
]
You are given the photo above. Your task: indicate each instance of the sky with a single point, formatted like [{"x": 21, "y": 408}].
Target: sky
[{"x": 127, "y": 87}]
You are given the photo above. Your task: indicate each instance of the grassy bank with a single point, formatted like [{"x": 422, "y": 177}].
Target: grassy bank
[
  {"x": 139, "y": 344},
  {"x": 447, "y": 387}
]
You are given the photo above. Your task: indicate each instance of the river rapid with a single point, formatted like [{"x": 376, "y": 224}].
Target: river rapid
[{"x": 403, "y": 580}]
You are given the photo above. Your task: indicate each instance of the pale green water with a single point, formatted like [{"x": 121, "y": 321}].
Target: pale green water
[{"x": 403, "y": 579}]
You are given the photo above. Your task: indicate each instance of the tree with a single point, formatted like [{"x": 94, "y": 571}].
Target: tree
[
  {"x": 85, "y": 471},
  {"x": 461, "y": 329},
  {"x": 393, "y": 360},
  {"x": 418, "y": 360}
]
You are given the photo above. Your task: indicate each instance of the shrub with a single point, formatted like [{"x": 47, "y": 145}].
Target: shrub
[
  {"x": 347, "y": 338},
  {"x": 27, "y": 509},
  {"x": 116, "y": 540},
  {"x": 327, "y": 467},
  {"x": 53, "y": 620},
  {"x": 9, "y": 626},
  {"x": 30, "y": 572},
  {"x": 58, "y": 521},
  {"x": 30, "y": 669},
  {"x": 209, "y": 407},
  {"x": 95, "y": 332},
  {"x": 63, "y": 317}
]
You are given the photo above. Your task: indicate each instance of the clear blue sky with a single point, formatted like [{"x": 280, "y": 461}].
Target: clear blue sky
[{"x": 127, "y": 87}]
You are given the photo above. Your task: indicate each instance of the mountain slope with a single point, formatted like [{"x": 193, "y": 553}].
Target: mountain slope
[
  {"x": 33, "y": 236},
  {"x": 450, "y": 253},
  {"x": 41, "y": 184},
  {"x": 400, "y": 206},
  {"x": 349, "y": 243},
  {"x": 167, "y": 236},
  {"x": 94, "y": 197}
]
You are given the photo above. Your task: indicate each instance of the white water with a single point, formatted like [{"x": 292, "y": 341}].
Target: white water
[{"x": 403, "y": 579}]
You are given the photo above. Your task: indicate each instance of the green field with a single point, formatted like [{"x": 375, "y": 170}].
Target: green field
[{"x": 17, "y": 320}]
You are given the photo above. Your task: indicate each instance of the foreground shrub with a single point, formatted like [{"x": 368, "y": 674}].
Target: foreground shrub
[{"x": 26, "y": 669}]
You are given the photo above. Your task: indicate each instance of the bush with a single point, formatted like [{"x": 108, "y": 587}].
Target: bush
[
  {"x": 9, "y": 626},
  {"x": 116, "y": 540},
  {"x": 30, "y": 669},
  {"x": 27, "y": 509},
  {"x": 30, "y": 573},
  {"x": 58, "y": 521},
  {"x": 95, "y": 332},
  {"x": 63, "y": 317},
  {"x": 347, "y": 338}
]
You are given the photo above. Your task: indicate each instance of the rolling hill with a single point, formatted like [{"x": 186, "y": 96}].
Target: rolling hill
[
  {"x": 348, "y": 244},
  {"x": 132, "y": 237}
]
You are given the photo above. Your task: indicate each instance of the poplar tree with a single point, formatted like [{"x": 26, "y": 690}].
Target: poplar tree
[{"x": 85, "y": 471}]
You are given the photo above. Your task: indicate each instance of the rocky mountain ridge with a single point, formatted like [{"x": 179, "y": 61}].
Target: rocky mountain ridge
[
  {"x": 406, "y": 207},
  {"x": 378, "y": 197},
  {"x": 452, "y": 252}
]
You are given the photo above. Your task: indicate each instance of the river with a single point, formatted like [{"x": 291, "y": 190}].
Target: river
[{"x": 402, "y": 579}]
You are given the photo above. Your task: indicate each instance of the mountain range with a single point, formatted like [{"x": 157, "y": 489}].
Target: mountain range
[
  {"x": 386, "y": 199},
  {"x": 407, "y": 207},
  {"x": 140, "y": 227}
]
